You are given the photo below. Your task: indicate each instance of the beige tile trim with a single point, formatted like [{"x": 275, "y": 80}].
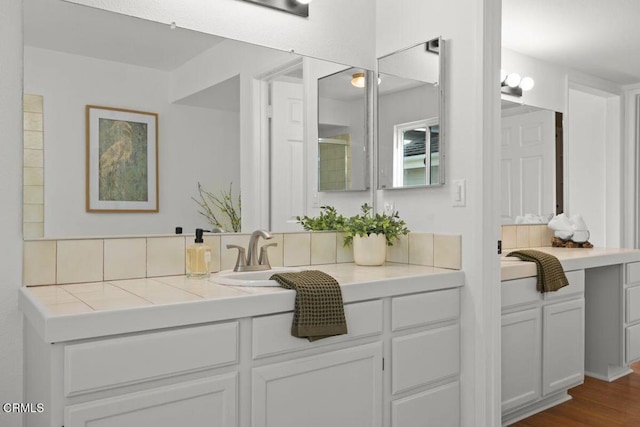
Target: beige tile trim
[
  {"x": 49, "y": 262},
  {"x": 526, "y": 236}
]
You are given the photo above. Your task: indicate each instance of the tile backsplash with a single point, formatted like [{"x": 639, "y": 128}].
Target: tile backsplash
[
  {"x": 526, "y": 236},
  {"x": 48, "y": 262}
]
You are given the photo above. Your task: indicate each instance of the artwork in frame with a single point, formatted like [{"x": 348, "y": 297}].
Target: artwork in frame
[{"x": 122, "y": 160}]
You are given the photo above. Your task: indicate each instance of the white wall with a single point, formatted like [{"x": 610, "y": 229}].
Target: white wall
[
  {"x": 195, "y": 144},
  {"x": 10, "y": 207},
  {"x": 586, "y": 150},
  {"x": 336, "y": 30},
  {"x": 471, "y": 31}
]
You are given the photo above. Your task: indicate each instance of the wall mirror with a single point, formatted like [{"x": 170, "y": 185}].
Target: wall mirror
[
  {"x": 229, "y": 114},
  {"x": 342, "y": 131},
  {"x": 531, "y": 164},
  {"x": 411, "y": 140}
]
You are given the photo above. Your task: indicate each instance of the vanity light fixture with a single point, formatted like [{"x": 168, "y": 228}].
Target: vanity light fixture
[
  {"x": 513, "y": 84},
  {"x": 297, "y": 7}
]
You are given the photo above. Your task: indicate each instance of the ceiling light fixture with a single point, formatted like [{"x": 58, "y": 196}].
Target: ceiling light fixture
[
  {"x": 513, "y": 84},
  {"x": 358, "y": 80}
]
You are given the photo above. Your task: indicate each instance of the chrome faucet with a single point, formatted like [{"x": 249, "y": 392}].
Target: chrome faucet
[{"x": 249, "y": 260}]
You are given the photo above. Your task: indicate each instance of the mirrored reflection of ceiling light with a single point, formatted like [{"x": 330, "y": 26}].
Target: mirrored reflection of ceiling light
[
  {"x": 513, "y": 80},
  {"x": 527, "y": 83},
  {"x": 358, "y": 80}
]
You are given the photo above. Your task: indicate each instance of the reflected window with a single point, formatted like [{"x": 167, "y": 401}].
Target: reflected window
[{"x": 416, "y": 153}]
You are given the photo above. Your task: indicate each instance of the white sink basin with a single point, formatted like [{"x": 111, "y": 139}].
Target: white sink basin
[{"x": 250, "y": 278}]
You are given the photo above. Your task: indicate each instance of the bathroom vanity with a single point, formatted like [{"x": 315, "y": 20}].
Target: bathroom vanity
[
  {"x": 228, "y": 359},
  {"x": 550, "y": 341}
]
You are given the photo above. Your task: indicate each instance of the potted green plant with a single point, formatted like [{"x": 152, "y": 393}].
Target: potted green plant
[{"x": 370, "y": 234}]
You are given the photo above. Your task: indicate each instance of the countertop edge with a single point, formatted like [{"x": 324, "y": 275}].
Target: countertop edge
[{"x": 71, "y": 327}]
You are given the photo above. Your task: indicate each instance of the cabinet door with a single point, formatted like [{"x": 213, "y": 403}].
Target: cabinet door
[
  {"x": 338, "y": 389},
  {"x": 563, "y": 346},
  {"x": 521, "y": 362},
  {"x": 209, "y": 402}
]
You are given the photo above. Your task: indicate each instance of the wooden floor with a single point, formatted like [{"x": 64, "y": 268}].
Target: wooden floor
[{"x": 595, "y": 403}]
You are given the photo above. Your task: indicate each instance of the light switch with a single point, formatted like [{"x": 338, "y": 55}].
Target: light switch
[{"x": 459, "y": 192}]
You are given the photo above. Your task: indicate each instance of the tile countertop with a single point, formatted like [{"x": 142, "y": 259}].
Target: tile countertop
[
  {"x": 570, "y": 258},
  {"x": 87, "y": 310}
]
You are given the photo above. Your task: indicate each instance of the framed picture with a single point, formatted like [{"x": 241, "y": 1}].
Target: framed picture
[{"x": 122, "y": 160}]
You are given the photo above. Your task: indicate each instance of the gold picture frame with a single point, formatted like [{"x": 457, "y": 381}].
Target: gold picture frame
[{"x": 121, "y": 160}]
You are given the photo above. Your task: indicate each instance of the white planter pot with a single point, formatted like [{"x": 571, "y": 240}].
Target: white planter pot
[{"x": 370, "y": 250}]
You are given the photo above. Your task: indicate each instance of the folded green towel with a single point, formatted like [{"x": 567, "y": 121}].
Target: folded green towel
[
  {"x": 319, "y": 311},
  {"x": 551, "y": 275}
]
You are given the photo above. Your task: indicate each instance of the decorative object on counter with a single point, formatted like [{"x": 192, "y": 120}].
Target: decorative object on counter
[
  {"x": 199, "y": 258},
  {"x": 209, "y": 202},
  {"x": 559, "y": 243},
  {"x": 550, "y": 274},
  {"x": 569, "y": 232},
  {"x": 530, "y": 218},
  {"x": 319, "y": 310},
  {"x": 370, "y": 233},
  {"x": 122, "y": 160}
]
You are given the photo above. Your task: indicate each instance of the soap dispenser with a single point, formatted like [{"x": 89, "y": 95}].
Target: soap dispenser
[{"x": 199, "y": 258}]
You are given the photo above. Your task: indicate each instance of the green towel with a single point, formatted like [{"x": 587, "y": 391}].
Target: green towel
[
  {"x": 319, "y": 311},
  {"x": 551, "y": 275}
]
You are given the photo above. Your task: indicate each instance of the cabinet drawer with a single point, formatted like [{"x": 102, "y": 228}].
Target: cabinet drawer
[
  {"x": 422, "y": 309},
  {"x": 633, "y": 304},
  {"x": 205, "y": 402},
  {"x": 633, "y": 343},
  {"x": 519, "y": 292},
  {"x": 422, "y": 358},
  {"x": 576, "y": 286},
  {"x": 633, "y": 272},
  {"x": 272, "y": 334},
  {"x": 438, "y": 407},
  {"x": 116, "y": 362}
]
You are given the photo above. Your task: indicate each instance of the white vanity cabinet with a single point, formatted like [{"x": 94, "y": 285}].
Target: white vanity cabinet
[
  {"x": 632, "y": 309},
  {"x": 398, "y": 366},
  {"x": 542, "y": 344}
]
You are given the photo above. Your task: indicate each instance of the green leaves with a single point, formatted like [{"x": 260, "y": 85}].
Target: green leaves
[
  {"x": 329, "y": 219},
  {"x": 358, "y": 225},
  {"x": 368, "y": 223}
]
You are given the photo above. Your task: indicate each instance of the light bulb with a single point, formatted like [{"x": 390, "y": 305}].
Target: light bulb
[
  {"x": 527, "y": 83},
  {"x": 358, "y": 80},
  {"x": 503, "y": 75},
  {"x": 513, "y": 80}
]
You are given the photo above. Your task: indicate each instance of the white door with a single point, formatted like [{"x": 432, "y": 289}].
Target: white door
[
  {"x": 339, "y": 389},
  {"x": 287, "y": 156},
  {"x": 209, "y": 402},
  {"x": 521, "y": 363},
  {"x": 563, "y": 346},
  {"x": 528, "y": 165}
]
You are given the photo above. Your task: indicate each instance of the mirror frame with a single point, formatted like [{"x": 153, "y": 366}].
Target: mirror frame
[{"x": 442, "y": 122}]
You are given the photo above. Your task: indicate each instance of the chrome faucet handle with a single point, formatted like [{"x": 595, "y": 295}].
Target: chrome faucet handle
[
  {"x": 241, "y": 261},
  {"x": 264, "y": 256}
]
